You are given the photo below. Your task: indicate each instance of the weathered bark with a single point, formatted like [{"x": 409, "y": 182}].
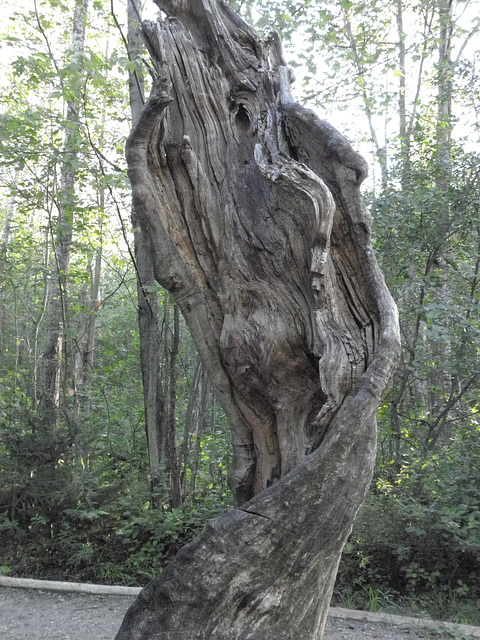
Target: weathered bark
[{"x": 257, "y": 226}]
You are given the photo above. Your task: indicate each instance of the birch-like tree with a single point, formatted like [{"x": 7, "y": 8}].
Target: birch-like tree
[{"x": 55, "y": 341}]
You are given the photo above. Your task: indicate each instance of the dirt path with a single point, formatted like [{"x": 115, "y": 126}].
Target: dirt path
[{"x": 45, "y": 615}]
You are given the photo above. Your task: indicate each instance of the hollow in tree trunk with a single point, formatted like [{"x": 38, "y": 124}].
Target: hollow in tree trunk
[{"x": 257, "y": 226}]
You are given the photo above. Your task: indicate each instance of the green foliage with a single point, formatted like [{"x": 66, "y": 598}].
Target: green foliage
[
  {"x": 76, "y": 497},
  {"x": 419, "y": 535}
]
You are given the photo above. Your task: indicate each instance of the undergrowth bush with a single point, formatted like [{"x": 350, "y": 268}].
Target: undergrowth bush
[
  {"x": 425, "y": 550},
  {"x": 93, "y": 545},
  {"x": 61, "y": 519}
]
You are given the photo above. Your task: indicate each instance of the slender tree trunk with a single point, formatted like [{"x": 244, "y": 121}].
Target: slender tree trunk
[
  {"x": 172, "y": 458},
  {"x": 429, "y": 13},
  {"x": 9, "y": 215},
  {"x": 40, "y": 316},
  {"x": 147, "y": 294},
  {"x": 402, "y": 108},
  {"x": 79, "y": 342},
  {"x": 444, "y": 96},
  {"x": 95, "y": 302},
  {"x": 380, "y": 152},
  {"x": 148, "y": 323},
  {"x": 256, "y": 224},
  {"x": 55, "y": 343},
  {"x": 193, "y": 428},
  {"x": 86, "y": 331},
  {"x": 87, "y": 324}
]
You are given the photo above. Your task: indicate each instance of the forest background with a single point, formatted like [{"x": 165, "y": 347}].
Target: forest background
[{"x": 113, "y": 449}]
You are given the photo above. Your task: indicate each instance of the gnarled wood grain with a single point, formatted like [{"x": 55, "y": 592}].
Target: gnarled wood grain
[{"x": 257, "y": 225}]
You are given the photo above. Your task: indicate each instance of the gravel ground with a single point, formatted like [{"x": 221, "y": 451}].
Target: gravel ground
[{"x": 44, "y": 615}]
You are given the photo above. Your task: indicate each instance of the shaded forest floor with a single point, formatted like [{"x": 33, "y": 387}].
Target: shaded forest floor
[{"x": 43, "y": 615}]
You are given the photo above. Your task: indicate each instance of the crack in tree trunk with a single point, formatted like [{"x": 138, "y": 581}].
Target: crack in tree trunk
[{"x": 257, "y": 226}]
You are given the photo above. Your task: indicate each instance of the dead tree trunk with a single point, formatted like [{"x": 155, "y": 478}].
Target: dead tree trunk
[{"x": 257, "y": 226}]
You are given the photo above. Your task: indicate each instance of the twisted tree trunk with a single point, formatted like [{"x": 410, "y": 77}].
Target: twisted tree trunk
[{"x": 257, "y": 226}]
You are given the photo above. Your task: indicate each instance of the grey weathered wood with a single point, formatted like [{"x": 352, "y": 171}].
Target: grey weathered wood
[{"x": 257, "y": 226}]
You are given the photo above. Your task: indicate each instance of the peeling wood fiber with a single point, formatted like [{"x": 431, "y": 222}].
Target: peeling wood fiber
[{"x": 256, "y": 224}]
